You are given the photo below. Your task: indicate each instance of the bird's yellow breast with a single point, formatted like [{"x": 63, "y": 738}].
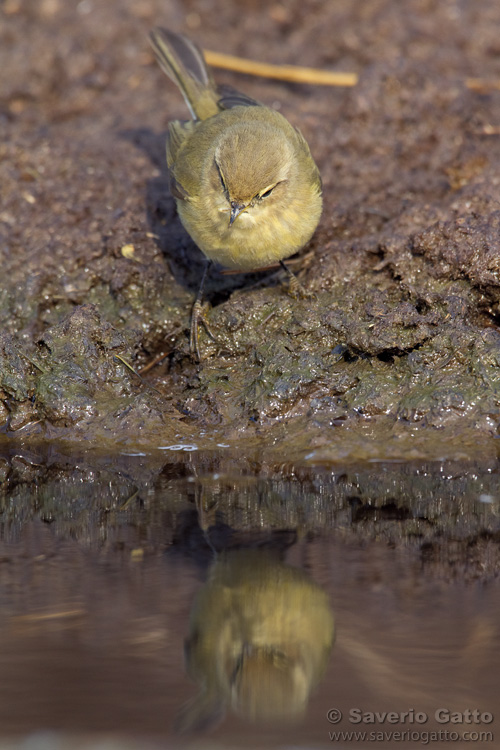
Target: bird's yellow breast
[{"x": 259, "y": 237}]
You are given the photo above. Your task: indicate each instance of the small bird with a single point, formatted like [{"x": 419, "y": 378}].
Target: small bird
[
  {"x": 247, "y": 189},
  {"x": 260, "y": 637}
]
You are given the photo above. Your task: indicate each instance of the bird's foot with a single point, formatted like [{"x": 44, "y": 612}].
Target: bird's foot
[{"x": 296, "y": 290}]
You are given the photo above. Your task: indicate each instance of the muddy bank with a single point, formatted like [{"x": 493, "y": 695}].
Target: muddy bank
[{"x": 401, "y": 338}]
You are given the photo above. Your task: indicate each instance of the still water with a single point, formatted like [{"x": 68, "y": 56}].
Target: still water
[{"x": 203, "y": 600}]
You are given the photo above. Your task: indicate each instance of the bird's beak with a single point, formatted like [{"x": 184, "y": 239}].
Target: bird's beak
[{"x": 236, "y": 209}]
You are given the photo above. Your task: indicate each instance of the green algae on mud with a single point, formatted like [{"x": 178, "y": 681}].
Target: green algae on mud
[
  {"x": 74, "y": 384},
  {"x": 296, "y": 383}
]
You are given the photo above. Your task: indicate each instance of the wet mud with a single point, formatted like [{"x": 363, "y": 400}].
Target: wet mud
[{"x": 98, "y": 273}]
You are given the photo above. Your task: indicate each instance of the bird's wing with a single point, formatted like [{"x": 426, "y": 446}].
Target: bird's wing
[{"x": 229, "y": 98}]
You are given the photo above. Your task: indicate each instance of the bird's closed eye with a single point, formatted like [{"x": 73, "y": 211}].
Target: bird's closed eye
[
  {"x": 267, "y": 191},
  {"x": 221, "y": 178}
]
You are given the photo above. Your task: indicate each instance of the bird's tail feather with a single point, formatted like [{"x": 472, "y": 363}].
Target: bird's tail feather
[{"x": 184, "y": 63}]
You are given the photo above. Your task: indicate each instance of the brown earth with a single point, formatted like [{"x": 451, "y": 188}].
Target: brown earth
[{"x": 398, "y": 353}]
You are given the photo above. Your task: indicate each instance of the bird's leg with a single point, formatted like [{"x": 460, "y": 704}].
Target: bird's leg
[
  {"x": 204, "y": 509},
  {"x": 295, "y": 289},
  {"x": 198, "y": 314}
]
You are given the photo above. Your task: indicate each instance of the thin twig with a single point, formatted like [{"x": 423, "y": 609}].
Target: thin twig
[
  {"x": 314, "y": 76},
  {"x": 129, "y": 367},
  {"x": 481, "y": 84},
  {"x": 154, "y": 362},
  {"x": 282, "y": 72}
]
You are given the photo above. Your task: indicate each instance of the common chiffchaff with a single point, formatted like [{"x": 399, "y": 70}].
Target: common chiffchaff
[
  {"x": 260, "y": 637},
  {"x": 246, "y": 186}
]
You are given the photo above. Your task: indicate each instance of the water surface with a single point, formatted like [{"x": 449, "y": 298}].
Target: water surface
[{"x": 192, "y": 600}]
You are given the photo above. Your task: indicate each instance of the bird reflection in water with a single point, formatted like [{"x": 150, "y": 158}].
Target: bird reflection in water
[{"x": 260, "y": 637}]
